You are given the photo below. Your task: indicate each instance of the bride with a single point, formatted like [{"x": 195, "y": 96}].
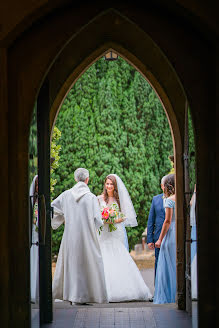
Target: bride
[{"x": 123, "y": 279}]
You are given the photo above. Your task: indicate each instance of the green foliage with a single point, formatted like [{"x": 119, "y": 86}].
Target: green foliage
[
  {"x": 113, "y": 122},
  {"x": 54, "y": 154}
]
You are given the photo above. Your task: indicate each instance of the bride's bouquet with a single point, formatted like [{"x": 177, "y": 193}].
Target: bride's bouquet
[{"x": 110, "y": 214}]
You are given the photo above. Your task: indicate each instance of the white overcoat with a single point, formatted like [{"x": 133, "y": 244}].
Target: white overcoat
[{"x": 79, "y": 275}]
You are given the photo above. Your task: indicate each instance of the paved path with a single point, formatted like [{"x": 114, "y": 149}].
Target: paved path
[
  {"x": 121, "y": 315},
  {"x": 117, "y": 315}
]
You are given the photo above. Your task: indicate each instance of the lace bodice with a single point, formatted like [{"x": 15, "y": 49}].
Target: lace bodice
[{"x": 102, "y": 202}]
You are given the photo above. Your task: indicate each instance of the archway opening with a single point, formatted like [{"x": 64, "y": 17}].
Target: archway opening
[{"x": 113, "y": 121}]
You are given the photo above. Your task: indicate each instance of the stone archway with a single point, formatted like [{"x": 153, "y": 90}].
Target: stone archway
[
  {"x": 62, "y": 76},
  {"x": 29, "y": 60}
]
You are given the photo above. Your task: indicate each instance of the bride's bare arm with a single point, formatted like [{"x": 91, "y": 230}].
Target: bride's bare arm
[{"x": 115, "y": 221}]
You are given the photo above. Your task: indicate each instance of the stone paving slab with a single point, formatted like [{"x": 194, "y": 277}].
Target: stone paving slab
[{"x": 106, "y": 316}]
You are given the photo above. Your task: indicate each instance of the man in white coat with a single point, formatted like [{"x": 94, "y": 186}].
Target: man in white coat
[{"x": 79, "y": 275}]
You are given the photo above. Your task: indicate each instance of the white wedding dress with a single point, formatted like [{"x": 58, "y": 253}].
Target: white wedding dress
[{"x": 123, "y": 278}]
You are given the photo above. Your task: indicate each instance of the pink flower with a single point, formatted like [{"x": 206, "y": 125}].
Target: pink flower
[{"x": 105, "y": 213}]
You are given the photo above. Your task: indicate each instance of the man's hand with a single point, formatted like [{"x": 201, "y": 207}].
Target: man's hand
[{"x": 151, "y": 245}]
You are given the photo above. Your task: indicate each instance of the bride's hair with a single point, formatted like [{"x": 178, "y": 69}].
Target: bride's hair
[
  {"x": 169, "y": 185},
  {"x": 115, "y": 192}
]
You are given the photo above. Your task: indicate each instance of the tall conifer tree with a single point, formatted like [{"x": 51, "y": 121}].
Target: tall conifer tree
[{"x": 112, "y": 122}]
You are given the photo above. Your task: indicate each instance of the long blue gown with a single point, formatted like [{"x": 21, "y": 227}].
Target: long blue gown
[
  {"x": 165, "y": 283},
  {"x": 193, "y": 249}
]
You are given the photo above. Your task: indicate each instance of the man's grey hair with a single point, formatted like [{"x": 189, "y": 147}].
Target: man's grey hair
[
  {"x": 163, "y": 180},
  {"x": 81, "y": 174}
]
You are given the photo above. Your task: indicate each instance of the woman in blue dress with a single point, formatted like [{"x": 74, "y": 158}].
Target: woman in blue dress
[
  {"x": 165, "y": 283},
  {"x": 193, "y": 246}
]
